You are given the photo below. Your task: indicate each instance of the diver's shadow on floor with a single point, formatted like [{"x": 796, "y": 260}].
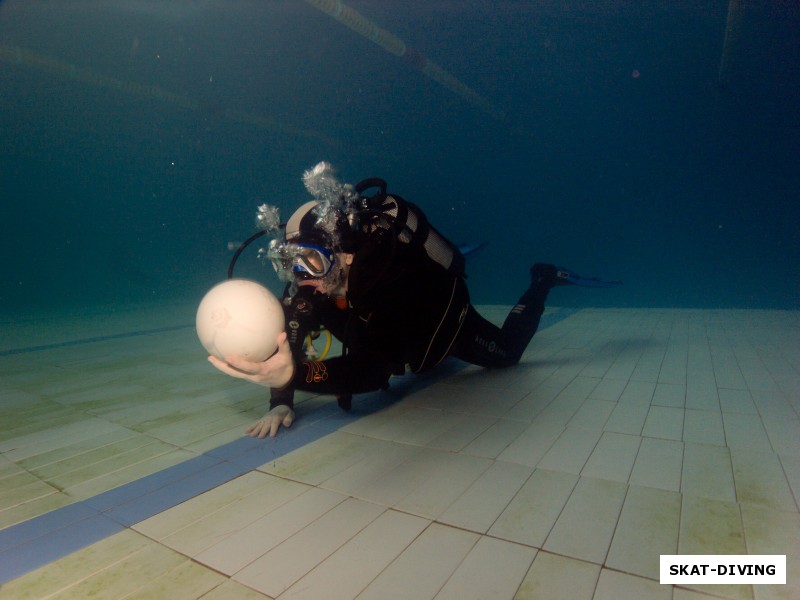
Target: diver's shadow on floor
[
  {"x": 406, "y": 385},
  {"x": 329, "y": 415},
  {"x": 617, "y": 349}
]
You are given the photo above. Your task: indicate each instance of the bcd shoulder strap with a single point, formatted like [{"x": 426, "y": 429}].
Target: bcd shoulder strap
[{"x": 408, "y": 223}]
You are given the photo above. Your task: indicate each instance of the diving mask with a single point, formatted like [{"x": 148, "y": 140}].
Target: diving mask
[{"x": 300, "y": 260}]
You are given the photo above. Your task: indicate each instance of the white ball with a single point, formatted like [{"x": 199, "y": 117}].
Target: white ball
[{"x": 239, "y": 317}]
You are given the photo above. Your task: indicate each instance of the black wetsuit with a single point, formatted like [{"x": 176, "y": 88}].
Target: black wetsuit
[{"x": 404, "y": 311}]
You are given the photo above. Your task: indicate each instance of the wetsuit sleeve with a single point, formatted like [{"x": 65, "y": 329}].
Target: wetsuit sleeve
[
  {"x": 281, "y": 396},
  {"x": 341, "y": 375}
]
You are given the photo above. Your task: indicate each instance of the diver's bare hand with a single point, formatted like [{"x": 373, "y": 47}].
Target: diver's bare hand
[
  {"x": 271, "y": 422},
  {"x": 275, "y": 372}
]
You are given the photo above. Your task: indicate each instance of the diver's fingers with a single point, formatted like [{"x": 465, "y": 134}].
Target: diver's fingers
[
  {"x": 274, "y": 425},
  {"x": 258, "y": 429},
  {"x": 248, "y": 367},
  {"x": 226, "y": 368}
]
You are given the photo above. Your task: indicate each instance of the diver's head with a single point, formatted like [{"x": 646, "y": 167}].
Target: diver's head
[
  {"x": 316, "y": 240},
  {"x": 321, "y": 224}
]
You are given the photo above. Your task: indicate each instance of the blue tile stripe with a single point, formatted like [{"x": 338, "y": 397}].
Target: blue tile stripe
[{"x": 34, "y": 543}]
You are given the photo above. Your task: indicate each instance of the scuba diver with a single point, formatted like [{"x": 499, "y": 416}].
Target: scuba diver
[{"x": 372, "y": 271}]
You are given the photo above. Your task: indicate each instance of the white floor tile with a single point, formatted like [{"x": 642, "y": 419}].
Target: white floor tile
[
  {"x": 231, "y": 589},
  {"x": 480, "y": 505},
  {"x": 474, "y": 399},
  {"x": 103, "y": 459},
  {"x": 131, "y": 573},
  {"x": 390, "y": 487},
  {"x": 784, "y": 435},
  {"x": 215, "y": 526},
  {"x": 538, "y": 393},
  {"x": 703, "y": 395},
  {"x": 20, "y": 512},
  {"x": 713, "y": 527},
  {"x": 326, "y": 457},
  {"x": 372, "y": 467},
  {"x": 278, "y": 569},
  {"x": 613, "y": 585},
  {"x": 450, "y": 477},
  {"x": 350, "y": 569},
  {"x": 670, "y": 394},
  {"x": 23, "y": 488},
  {"x": 647, "y": 528},
  {"x": 592, "y": 414},
  {"x": 685, "y": 594},
  {"x": 613, "y": 457},
  {"x": 773, "y": 405},
  {"x": 58, "y": 436},
  {"x": 683, "y": 425},
  {"x": 561, "y": 410},
  {"x": 760, "y": 480},
  {"x": 791, "y": 467},
  {"x": 646, "y": 371},
  {"x": 377, "y": 419},
  {"x": 128, "y": 473},
  {"x": 74, "y": 568},
  {"x": 726, "y": 369},
  {"x": 664, "y": 422},
  {"x": 586, "y": 525},
  {"x": 736, "y": 401},
  {"x": 186, "y": 580},
  {"x": 658, "y": 464},
  {"x": 769, "y": 531},
  {"x": 710, "y": 527},
  {"x": 673, "y": 368},
  {"x": 707, "y": 472},
  {"x": 534, "y": 510},
  {"x": 638, "y": 393},
  {"x": 462, "y": 431},
  {"x": 571, "y": 450},
  {"x": 609, "y": 389},
  {"x": 492, "y": 570},
  {"x": 745, "y": 433},
  {"x": 553, "y": 577},
  {"x": 532, "y": 444},
  {"x": 424, "y": 567},
  {"x": 756, "y": 374},
  {"x": 703, "y": 427},
  {"x": 202, "y": 506},
  {"x": 496, "y": 438},
  {"x": 628, "y": 418},
  {"x": 598, "y": 366},
  {"x": 415, "y": 426},
  {"x": 246, "y": 545},
  {"x": 83, "y": 449},
  {"x": 621, "y": 370}
]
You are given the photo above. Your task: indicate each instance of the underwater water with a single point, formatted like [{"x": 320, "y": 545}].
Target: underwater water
[{"x": 627, "y": 140}]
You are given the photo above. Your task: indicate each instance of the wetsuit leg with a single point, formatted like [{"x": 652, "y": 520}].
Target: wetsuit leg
[{"x": 484, "y": 344}]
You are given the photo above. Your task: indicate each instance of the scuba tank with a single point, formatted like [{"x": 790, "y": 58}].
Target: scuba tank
[{"x": 406, "y": 220}]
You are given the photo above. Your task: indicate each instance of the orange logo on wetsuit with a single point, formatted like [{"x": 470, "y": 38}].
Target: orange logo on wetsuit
[{"x": 317, "y": 372}]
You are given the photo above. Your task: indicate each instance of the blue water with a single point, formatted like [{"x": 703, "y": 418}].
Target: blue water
[{"x": 617, "y": 153}]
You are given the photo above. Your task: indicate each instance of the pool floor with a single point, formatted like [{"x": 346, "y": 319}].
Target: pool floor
[{"x": 624, "y": 434}]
